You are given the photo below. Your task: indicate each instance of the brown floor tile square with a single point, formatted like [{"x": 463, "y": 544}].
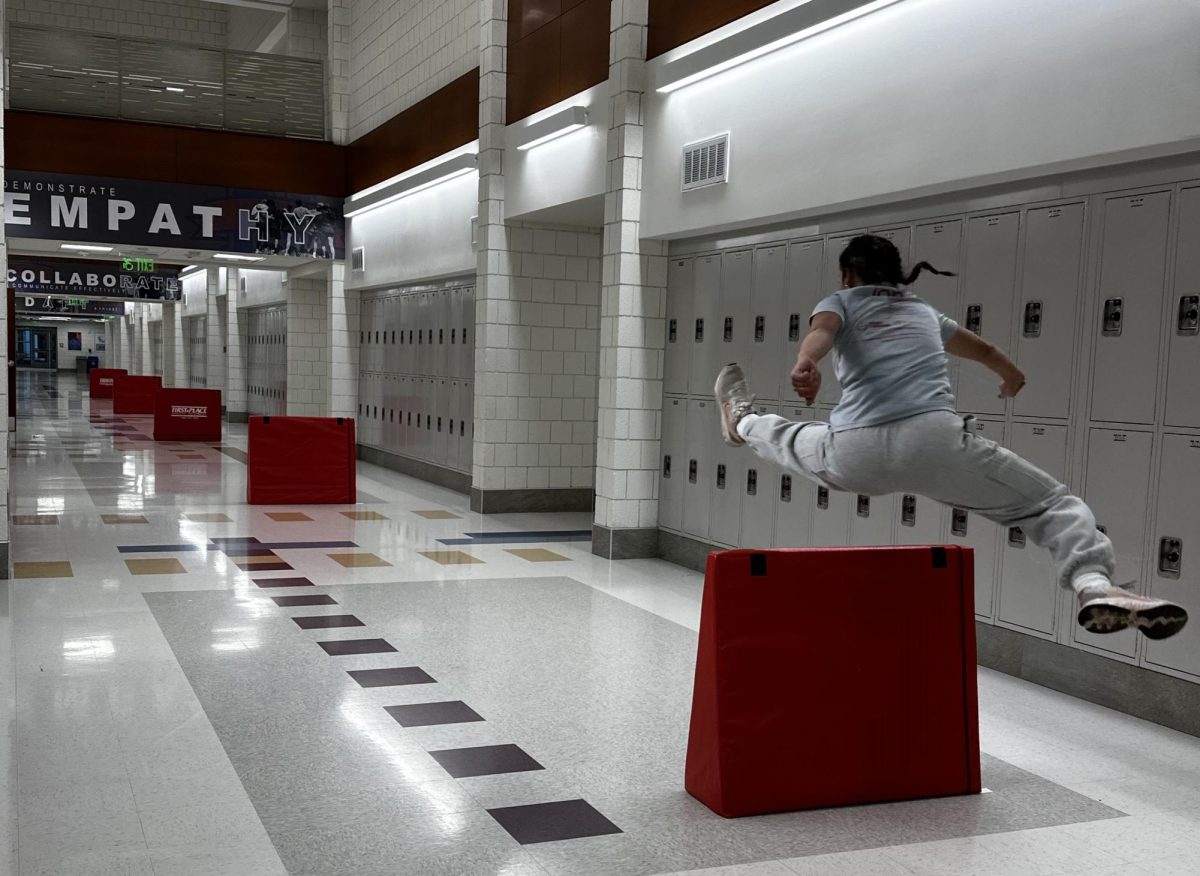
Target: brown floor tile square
[
  {"x": 437, "y": 515},
  {"x": 363, "y": 515},
  {"x": 537, "y": 555},
  {"x": 123, "y": 518},
  {"x": 289, "y": 516},
  {"x": 35, "y": 519},
  {"x": 209, "y": 518},
  {"x": 450, "y": 558},
  {"x": 60, "y": 569},
  {"x": 358, "y": 561},
  {"x": 170, "y": 566}
]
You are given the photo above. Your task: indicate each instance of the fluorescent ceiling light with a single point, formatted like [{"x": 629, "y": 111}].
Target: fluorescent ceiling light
[
  {"x": 236, "y": 257},
  {"x": 561, "y": 123},
  {"x": 798, "y": 23},
  {"x": 84, "y": 247},
  {"x": 410, "y": 182},
  {"x": 175, "y": 89}
]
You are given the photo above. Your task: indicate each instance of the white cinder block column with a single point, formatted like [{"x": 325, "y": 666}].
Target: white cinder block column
[
  {"x": 307, "y": 338},
  {"x": 214, "y": 349},
  {"x": 145, "y": 363},
  {"x": 235, "y": 363},
  {"x": 338, "y": 75},
  {"x": 342, "y": 317},
  {"x": 174, "y": 361},
  {"x": 632, "y": 316}
]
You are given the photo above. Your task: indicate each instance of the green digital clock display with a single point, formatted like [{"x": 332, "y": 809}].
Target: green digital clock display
[{"x": 138, "y": 265}]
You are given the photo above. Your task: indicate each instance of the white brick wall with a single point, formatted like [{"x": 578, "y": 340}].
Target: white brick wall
[
  {"x": 341, "y": 350},
  {"x": 307, "y": 343},
  {"x": 307, "y": 36},
  {"x": 187, "y": 21},
  {"x": 337, "y": 79},
  {"x": 402, "y": 52}
]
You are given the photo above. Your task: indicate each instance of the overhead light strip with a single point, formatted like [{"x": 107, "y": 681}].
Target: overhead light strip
[
  {"x": 561, "y": 123},
  {"x": 84, "y": 247},
  {"x": 236, "y": 257},
  {"x": 762, "y": 38},
  {"x": 411, "y": 182}
]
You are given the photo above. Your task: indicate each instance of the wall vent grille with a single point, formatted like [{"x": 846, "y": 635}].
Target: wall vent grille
[
  {"x": 706, "y": 163},
  {"x": 357, "y": 259}
]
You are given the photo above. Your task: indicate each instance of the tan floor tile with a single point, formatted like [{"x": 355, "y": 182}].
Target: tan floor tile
[
  {"x": 363, "y": 515},
  {"x": 123, "y": 518},
  {"x": 35, "y": 519},
  {"x": 289, "y": 516},
  {"x": 537, "y": 555},
  {"x": 169, "y": 566},
  {"x": 358, "y": 561},
  {"x": 450, "y": 558},
  {"x": 209, "y": 518},
  {"x": 61, "y": 569},
  {"x": 437, "y": 515}
]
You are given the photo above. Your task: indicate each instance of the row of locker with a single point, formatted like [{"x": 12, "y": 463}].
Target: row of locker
[
  {"x": 427, "y": 333},
  {"x": 730, "y": 497},
  {"x": 266, "y": 360},
  {"x": 1019, "y": 285},
  {"x": 195, "y": 350},
  {"x": 425, "y": 418}
]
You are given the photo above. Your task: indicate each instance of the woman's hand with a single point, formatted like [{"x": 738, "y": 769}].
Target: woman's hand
[{"x": 806, "y": 378}]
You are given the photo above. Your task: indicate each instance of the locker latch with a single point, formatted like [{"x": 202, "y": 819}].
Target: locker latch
[
  {"x": 720, "y": 476},
  {"x": 453, "y": 336},
  {"x": 1103, "y": 529},
  {"x": 794, "y": 327},
  {"x": 823, "y": 498},
  {"x": 728, "y": 332},
  {"x": 908, "y": 510},
  {"x": 785, "y": 488},
  {"x": 699, "y": 329},
  {"x": 864, "y": 506},
  {"x": 439, "y": 428},
  {"x": 1033, "y": 319},
  {"x": 760, "y": 329},
  {"x": 1016, "y": 537},
  {"x": 673, "y": 330},
  {"x": 975, "y": 318},
  {"x": 1112, "y": 316},
  {"x": 441, "y": 336},
  {"x": 1170, "y": 557},
  {"x": 692, "y": 471},
  {"x": 666, "y": 465},
  {"x": 1189, "y": 315},
  {"x": 958, "y": 522},
  {"x": 752, "y": 482},
  {"x": 462, "y": 428}
]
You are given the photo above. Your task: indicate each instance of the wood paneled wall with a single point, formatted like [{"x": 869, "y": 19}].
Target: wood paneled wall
[
  {"x": 556, "y": 48},
  {"x": 675, "y": 22}
]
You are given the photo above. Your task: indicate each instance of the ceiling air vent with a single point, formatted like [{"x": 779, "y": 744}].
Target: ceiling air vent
[
  {"x": 706, "y": 163},
  {"x": 357, "y": 259}
]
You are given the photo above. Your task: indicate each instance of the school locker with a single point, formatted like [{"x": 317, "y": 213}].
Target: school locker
[
  {"x": 939, "y": 243},
  {"x": 801, "y": 294},
  {"x": 1048, "y": 310},
  {"x": 734, "y": 309},
  {"x": 872, "y": 519},
  {"x": 1029, "y": 584},
  {"x": 975, "y": 531},
  {"x": 441, "y": 332},
  {"x": 403, "y": 387},
  {"x": 705, "y": 333},
  {"x": 990, "y": 273},
  {"x": 700, "y": 468},
  {"x": 901, "y": 238},
  {"x": 729, "y": 467},
  {"x": 677, "y": 358},
  {"x": 468, "y": 335},
  {"x": 391, "y": 323},
  {"x": 794, "y": 494},
  {"x": 441, "y": 417},
  {"x": 1175, "y": 571},
  {"x": 1132, "y": 268},
  {"x": 673, "y": 468},
  {"x": 768, "y": 330},
  {"x": 1117, "y": 490},
  {"x": 454, "y": 323},
  {"x": 1183, "y": 368},
  {"x": 918, "y": 520},
  {"x": 758, "y": 484},
  {"x": 466, "y": 426}
]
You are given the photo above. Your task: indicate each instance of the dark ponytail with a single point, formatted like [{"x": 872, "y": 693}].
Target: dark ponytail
[{"x": 876, "y": 262}]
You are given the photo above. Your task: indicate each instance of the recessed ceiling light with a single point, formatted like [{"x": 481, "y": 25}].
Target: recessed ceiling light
[
  {"x": 235, "y": 257},
  {"x": 176, "y": 90},
  {"x": 84, "y": 247}
]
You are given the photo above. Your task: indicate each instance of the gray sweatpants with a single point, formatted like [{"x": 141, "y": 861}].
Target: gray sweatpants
[{"x": 936, "y": 455}]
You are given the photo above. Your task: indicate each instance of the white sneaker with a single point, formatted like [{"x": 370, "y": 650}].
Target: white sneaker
[
  {"x": 1107, "y": 611},
  {"x": 734, "y": 400}
]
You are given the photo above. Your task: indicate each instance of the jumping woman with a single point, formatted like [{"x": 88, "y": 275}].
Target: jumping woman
[{"x": 896, "y": 430}]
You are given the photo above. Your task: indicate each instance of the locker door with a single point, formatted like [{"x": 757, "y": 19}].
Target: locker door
[
  {"x": 1176, "y": 572},
  {"x": 699, "y": 467},
  {"x": 454, "y": 331},
  {"x": 1029, "y": 588},
  {"x": 404, "y": 403},
  {"x": 407, "y": 355},
  {"x": 390, "y": 319},
  {"x": 794, "y": 495},
  {"x": 919, "y": 520},
  {"x": 1048, "y": 313},
  {"x": 768, "y": 332},
  {"x": 979, "y": 533},
  {"x": 830, "y": 517},
  {"x": 939, "y": 243},
  {"x": 706, "y": 333},
  {"x": 1183, "y": 368},
  {"x": 441, "y": 330},
  {"x": 902, "y": 238},
  {"x": 872, "y": 519},
  {"x": 1132, "y": 268},
  {"x": 428, "y": 392},
  {"x": 831, "y": 392},
  {"x": 468, "y": 430},
  {"x": 758, "y": 485},
  {"x": 468, "y": 333},
  {"x": 803, "y": 291},
  {"x": 737, "y": 276},
  {"x": 441, "y": 407},
  {"x": 1117, "y": 490},
  {"x": 728, "y": 485},
  {"x": 680, "y": 332},
  {"x": 990, "y": 275},
  {"x": 673, "y": 468}
]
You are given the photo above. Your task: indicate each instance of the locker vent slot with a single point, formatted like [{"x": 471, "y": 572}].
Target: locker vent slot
[
  {"x": 1016, "y": 537},
  {"x": 357, "y": 258},
  {"x": 705, "y": 163}
]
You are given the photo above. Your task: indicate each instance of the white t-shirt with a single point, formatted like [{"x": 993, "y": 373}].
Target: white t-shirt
[{"x": 889, "y": 356}]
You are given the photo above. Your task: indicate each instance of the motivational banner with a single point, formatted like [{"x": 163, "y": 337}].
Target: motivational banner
[
  {"x": 49, "y": 305},
  {"x": 131, "y": 279},
  {"x": 54, "y": 206}
]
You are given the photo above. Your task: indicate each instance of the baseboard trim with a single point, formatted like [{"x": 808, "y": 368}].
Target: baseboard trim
[
  {"x": 517, "y": 501},
  {"x": 683, "y": 550},
  {"x": 624, "y": 544},
  {"x": 5, "y": 560},
  {"x": 417, "y": 468},
  {"x": 237, "y": 417}
]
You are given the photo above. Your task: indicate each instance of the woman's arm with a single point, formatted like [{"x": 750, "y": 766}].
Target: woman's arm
[
  {"x": 968, "y": 345},
  {"x": 806, "y": 376}
]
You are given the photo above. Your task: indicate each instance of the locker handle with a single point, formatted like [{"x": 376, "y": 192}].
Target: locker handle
[
  {"x": 1112, "y": 317},
  {"x": 864, "y": 506},
  {"x": 975, "y": 318},
  {"x": 794, "y": 327},
  {"x": 1016, "y": 537},
  {"x": 785, "y": 488},
  {"x": 752, "y": 482},
  {"x": 666, "y": 469},
  {"x": 1033, "y": 319},
  {"x": 823, "y": 498},
  {"x": 672, "y": 330},
  {"x": 1170, "y": 557},
  {"x": 958, "y": 522},
  {"x": 700, "y": 330},
  {"x": 908, "y": 510},
  {"x": 728, "y": 331},
  {"x": 1189, "y": 315},
  {"x": 760, "y": 329},
  {"x": 693, "y": 471},
  {"x": 720, "y": 476}
]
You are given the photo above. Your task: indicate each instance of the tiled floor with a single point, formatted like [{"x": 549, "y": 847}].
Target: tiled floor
[{"x": 404, "y": 689}]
